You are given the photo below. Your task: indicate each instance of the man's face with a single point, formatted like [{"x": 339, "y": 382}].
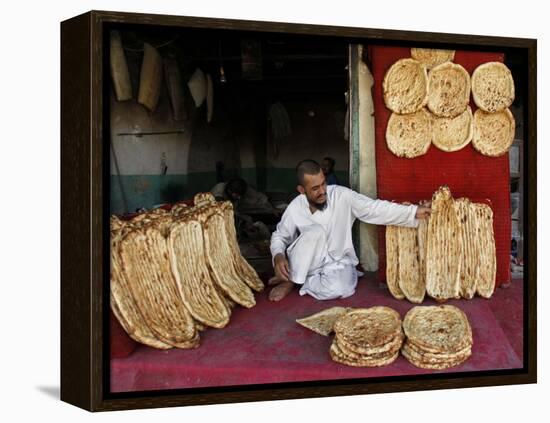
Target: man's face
[
  {"x": 235, "y": 196},
  {"x": 315, "y": 190},
  {"x": 325, "y": 166}
]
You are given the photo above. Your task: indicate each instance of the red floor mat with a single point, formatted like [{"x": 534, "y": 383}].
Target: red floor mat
[
  {"x": 466, "y": 172},
  {"x": 265, "y": 345}
]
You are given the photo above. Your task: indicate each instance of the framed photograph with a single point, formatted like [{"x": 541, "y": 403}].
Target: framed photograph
[{"x": 261, "y": 210}]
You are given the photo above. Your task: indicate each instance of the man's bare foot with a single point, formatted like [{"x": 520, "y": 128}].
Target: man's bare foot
[
  {"x": 281, "y": 290},
  {"x": 274, "y": 281}
]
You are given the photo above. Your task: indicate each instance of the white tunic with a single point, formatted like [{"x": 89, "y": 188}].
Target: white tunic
[{"x": 319, "y": 245}]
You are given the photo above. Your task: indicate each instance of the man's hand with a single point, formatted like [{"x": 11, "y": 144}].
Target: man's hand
[
  {"x": 281, "y": 267},
  {"x": 423, "y": 210}
]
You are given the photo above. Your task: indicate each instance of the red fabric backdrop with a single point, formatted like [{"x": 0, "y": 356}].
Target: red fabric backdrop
[{"x": 466, "y": 172}]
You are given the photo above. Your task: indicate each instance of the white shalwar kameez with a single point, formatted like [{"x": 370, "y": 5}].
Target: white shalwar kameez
[{"x": 319, "y": 245}]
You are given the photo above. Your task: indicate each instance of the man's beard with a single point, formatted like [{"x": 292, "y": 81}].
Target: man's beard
[{"x": 318, "y": 206}]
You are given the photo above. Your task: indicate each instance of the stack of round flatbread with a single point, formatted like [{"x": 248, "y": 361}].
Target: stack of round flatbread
[
  {"x": 437, "y": 337},
  {"x": 367, "y": 337}
]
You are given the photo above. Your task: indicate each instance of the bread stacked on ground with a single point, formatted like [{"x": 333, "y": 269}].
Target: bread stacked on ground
[
  {"x": 450, "y": 255},
  {"x": 437, "y": 337},
  {"x": 367, "y": 337},
  {"x": 428, "y": 95},
  {"x": 175, "y": 273}
]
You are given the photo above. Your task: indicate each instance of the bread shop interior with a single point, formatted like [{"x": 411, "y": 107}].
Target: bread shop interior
[{"x": 206, "y": 129}]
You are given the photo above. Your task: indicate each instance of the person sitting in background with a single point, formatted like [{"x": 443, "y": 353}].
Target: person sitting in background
[
  {"x": 247, "y": 203},
  {"x": 241, "y": 195},
  {"x": 327, "y": 165}
]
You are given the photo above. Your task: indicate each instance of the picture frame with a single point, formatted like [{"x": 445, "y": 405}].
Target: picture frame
[{"x": 85, "y": 230}]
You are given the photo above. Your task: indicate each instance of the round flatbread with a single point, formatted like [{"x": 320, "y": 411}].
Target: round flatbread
[
  {"x": 337, "y": 356},
  {"x": 448, "y": 90},
  {"x": 493, "y": 87},
  {"x": 453, "y": 134},
  {"x": 493, "y": 132},
  {"x": 409, "y": 135},
  {"x": 439, "y": 355},
  {"x": 368, "y": 327},
  {"x": 423, "y": 364},
  {"x": 388, "y": 348},
  {"x": 437, "y": 329},
  {"x": 405, "y": 86},
  {"x": 432, "y": 57}
]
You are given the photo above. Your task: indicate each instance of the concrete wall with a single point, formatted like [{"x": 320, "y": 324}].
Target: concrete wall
[
  {"x": 236, "y": 136},
  {"x": 190, "y": 157},
  {"x": 313, "y": 137}
]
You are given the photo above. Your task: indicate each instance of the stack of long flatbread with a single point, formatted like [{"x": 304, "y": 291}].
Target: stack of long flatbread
[
  {"x": 367, "y": 337},
  {"x": 175, "y": 273},
  {"x": 428, "y": 95},
  {"x": 450, "y": 255},
  {"x": 437, "y": 337}
]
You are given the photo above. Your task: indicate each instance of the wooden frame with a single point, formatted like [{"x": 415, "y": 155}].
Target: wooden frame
[{"x": 84, "y": 244}]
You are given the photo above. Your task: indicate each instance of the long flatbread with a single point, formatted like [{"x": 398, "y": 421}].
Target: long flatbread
[
  {"x": 487, "y": 252},
  {"x": 422, "y": 236},
  {"x": 410, "y": 280},
  {"x": 469, "y": 270},
  {"x": 244, "y": 268},
  {"x": 392, "y": 262},
  {"x": 145, "y": 257},
  {"x": 196, "y": 287},
  {"x": 443, "y": 257},
  {"x": 124, "y": 306},
  {"x": 220, "y": 261}
]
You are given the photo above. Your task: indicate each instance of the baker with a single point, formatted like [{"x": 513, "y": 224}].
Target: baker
[{"x": 312, "y": 245}]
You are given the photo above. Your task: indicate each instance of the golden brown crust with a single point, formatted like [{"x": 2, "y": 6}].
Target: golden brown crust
[
  {"x": 444, "y": 248},
  {"x": 438, "y": 329},
  {"x": 432, "y": 57},
  {"x": 493, "y": 87},
  {"x": 145, "y": 261},
  {"x": 448, "y": 90},
  {"x": 487, "y": 253},
  {"x": 493, "y": 132},
  {"x": 405, "y": 86},
  {"x": 392, "y": 262},
  {"x": 409, "y": 135},
  {"x": 323, "y": 321},
  {"x": 411, "y": 280},
  {"x": 453, "y": 134}
]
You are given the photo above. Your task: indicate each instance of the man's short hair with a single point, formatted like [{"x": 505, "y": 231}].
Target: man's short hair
[
  {"x": 331, "y": 161},
  {"x": 306, "y": 167},
  {"x": 237, "y": 186}
]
